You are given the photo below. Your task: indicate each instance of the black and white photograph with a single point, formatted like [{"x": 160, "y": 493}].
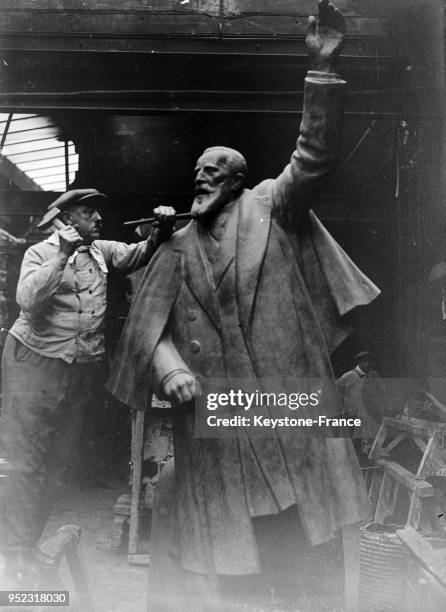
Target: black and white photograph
[{"x": 223, "y": 305}]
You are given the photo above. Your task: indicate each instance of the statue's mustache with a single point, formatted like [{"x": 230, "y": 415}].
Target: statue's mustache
[{"x": 202, "y": 190}]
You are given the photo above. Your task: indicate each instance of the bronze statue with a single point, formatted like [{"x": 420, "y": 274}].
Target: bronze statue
[{"x": 253, "y": 286}]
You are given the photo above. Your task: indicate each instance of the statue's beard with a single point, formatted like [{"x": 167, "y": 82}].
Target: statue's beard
[{"x": 208, "y": 203}]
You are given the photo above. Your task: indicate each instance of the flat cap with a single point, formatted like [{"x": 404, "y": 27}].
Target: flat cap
[
  {"x": 364, "y": 355},
  {"x": 75, "y": 196}
]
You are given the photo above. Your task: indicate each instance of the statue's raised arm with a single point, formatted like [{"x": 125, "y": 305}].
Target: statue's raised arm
[{"x": 316, "y": 154}]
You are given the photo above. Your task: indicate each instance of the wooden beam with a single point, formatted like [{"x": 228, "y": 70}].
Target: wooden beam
[
  {"x": 5, "y": 131},
  {"x": 160, "y": 18},
  {"x": 210, "y": 7},
  {"x": 371, "y": 103},
  {"x": 127, "y": 23},
  {"x": 408, "y": 480},
  {"x": 433, "y": 560},
  {"x": 17, "y": 178},
  {"x": 138, "y": 426},
  {"x": 62, "y": 73},
  {"x": 67, "y": 166},
  {"x": 133, "y": 23},
  {"x": 260, "y": 45},
  {"x": 46, "y": 71},
  {"x": 387, "y": 449},
  {"x": 415, "y": 426}
]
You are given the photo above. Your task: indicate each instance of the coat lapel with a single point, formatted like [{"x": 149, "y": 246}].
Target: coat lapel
[
  {"x": 252, "y": 235},
  {"x": 196, "y": 273}
]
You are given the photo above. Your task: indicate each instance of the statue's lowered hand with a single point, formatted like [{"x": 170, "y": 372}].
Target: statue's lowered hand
[
  {"x": 182, "y": 387},
  {"x": 325, "y": 37}
]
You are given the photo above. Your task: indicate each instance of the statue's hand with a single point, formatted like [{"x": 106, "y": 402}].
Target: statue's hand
[
  {"x": 325, "y": 37},
  {"x": 182, "y": 387}
]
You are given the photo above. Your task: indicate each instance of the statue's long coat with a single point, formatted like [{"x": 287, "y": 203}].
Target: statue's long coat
[{"x": 289, "y": 286}]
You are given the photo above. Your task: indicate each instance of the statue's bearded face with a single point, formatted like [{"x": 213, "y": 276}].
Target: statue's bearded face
[{"x": 216, "y": 183}]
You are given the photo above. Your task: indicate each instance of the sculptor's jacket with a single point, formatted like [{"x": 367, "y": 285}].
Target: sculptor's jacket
[
  {"x": 62, "y": 307},
  {"x": 277, "y": 309}
]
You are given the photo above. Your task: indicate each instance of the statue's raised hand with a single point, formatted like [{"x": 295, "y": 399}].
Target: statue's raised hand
[{"x": 325, "y": 37}]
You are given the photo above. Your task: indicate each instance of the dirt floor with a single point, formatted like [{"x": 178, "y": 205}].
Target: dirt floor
[{"x": 118, "y": 586}]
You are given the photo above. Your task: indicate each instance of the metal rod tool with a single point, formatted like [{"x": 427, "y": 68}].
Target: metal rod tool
[{"x": 152, "y": 219}]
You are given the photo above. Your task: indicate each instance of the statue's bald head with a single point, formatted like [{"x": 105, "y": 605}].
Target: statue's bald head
[{"x": 232, "y": 157}]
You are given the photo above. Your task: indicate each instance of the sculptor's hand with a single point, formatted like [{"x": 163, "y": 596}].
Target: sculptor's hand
[
  {"x": 181, "y": 388},
  {"x": 165, "y": 217},
  {"x": 69, "y": 240},
  {"x": 325, "y": 37}
]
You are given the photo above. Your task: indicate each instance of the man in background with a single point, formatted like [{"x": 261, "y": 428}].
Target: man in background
[{"x": 353, "y": 387}]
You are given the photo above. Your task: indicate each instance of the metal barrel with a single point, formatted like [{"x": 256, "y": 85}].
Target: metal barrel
[{"x": 384, "y": 566}]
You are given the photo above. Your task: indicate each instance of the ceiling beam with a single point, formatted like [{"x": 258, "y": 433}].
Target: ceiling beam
[
  {"x": 16, "y": 176},
  {"x": 164, "y": 26},
  {"x": 371, "y": 102},
  {"x": 5, "y": 131},
  {"x": 266, "y": 20},
  {"x": 255, "y": 46}
]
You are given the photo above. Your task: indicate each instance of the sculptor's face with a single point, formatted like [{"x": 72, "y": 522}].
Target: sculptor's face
[
  {"x": 87, "y": 221},
  {"x": 216, "y": 184}
]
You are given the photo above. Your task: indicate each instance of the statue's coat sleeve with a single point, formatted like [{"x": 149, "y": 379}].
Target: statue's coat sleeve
[{"x": 148, "y": 316}]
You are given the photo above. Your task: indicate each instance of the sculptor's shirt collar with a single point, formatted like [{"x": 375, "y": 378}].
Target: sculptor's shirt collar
[{"x": 91, "y": 248}]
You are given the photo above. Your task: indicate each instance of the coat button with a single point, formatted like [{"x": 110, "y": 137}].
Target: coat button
[
  {"x": 195, "y": 346},
  {"x": 192, "y": 315}
]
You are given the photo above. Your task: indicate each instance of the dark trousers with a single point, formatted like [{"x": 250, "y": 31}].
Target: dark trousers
[{"x": 43, "y": 407}]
